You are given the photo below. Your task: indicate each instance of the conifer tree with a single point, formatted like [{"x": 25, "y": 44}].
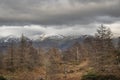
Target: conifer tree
[{"x": 104, "y": 47}]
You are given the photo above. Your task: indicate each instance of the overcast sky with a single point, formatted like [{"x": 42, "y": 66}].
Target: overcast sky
[{"x": 34, "y": 17}]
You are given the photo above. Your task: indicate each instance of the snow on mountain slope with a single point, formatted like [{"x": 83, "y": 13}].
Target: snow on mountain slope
[
  {"x": 40, "y": 37},
  {"x": 50, "y": 36},
  {"x": 46, "y": 40},
  {"x": 9, "y": 38}
]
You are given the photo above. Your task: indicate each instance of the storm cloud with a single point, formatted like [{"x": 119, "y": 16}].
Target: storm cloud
[
  {"x": 60, "y": 14},
  {"x": 35, "y": 31}
]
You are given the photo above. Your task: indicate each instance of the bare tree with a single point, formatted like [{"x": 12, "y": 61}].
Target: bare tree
[
  {"x": 1, "y": 60},
  {"x": 22, "y": 49},
  {"x": 76, "y": 53},
  {"x": 118, "y": 45},
  {"x": 10, "y": 58},
  {"x": 32, "y": 57},
  {"x": 53, "y": 64}
]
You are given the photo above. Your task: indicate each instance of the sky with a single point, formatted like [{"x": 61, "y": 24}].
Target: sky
[{"x": 64, "y": 17}]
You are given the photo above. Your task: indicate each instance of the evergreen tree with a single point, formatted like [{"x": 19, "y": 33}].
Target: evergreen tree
[
  {"x": 104, "y": 38},
  {"x": 104, "y": 48}
]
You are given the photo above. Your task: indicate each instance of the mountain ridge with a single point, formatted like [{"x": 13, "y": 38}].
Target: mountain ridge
[
  {"x": 47, "y": 41},
  {"x": 58, "y": 41}
]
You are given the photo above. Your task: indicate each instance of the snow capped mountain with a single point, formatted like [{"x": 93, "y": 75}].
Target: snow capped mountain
[
  {"x": 9, "y": 38},
  {"x": 51, "y": 36},
  {"x": 41, "y": 37},
  {"x": 45, "y": 40}
]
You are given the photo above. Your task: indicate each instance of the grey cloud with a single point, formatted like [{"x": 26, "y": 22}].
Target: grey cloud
[
  {"x": 32, "y": 31},
  {"x": 58, "y": 12}
]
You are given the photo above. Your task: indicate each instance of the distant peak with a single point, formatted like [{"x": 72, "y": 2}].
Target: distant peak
[{"x": 51, "y": 36}]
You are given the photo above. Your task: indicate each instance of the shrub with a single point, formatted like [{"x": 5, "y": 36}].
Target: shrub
[
  {"x": 108, "y": 77},
  {"x": 99, "y": 77},
  {"x": 2, "y": 78},
  {"x": 90, "y": 77}
]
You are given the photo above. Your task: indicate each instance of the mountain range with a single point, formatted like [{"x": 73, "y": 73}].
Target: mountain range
[{"x": 46, "y": 41}]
